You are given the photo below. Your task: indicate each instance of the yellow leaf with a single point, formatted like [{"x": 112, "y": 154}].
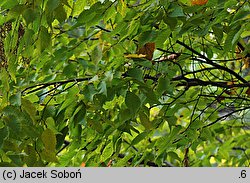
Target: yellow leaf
[
  {"x": 122, "y": 7},
  {"x": 135, "y": 56}
]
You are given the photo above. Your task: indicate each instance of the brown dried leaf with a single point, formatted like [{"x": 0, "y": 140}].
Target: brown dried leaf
[
  {"x": 148, "y": 50},
  {"x": 248, "y": 91}
]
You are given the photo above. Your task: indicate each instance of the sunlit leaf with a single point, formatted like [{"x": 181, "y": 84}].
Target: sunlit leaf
[
  {"x": 107, "y": 152},
  {"x": 139, "y": 138}
]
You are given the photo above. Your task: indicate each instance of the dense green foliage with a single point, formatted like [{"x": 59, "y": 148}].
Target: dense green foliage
[{"x": 75, "y": 90}]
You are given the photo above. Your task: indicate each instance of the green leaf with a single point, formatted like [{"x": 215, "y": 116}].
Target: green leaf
[
  {"x": 61, "y": 137},
  {"x": 139, "y": 138},
  {"x": 16, "y": 158},
  {"x": 122, "y": 7},
  {"x": 171, "y": 120},
  {"x": 66, "y": 158},
  {"x": 7, "y": 4},
  {"x": 177, "y": 11},
  {"x": 49, "y": 156},
  {"x": 150, "y": 94},
  {"x": 49, "y": 111},
  {"x": 70, "y": 70},
  {"x": 124, "y": 161},
  {"x": 162, "y": 36},
  {"x": 119, "y": 29},
  {"x": 218, "y": 32},
  {"x": 96, "y": 55},
  {"x": 49, "y": 140},
  {"x": 15, "y": 100},
  {"x": 144, "y": 63},
  {"x": 52, "y": 4},
  {"x": 124, "y": 115},
  {"x": 170, "y": 21},
  {"x": 49, "y": 47},
  {"x": 13, "y": 119},
  {"x": 130, "y": 30},
  {"x": 95, "y": 124},
  {"x": 242, "y": 14},
  {"x": 79, "y": 113},
  {"x": 145, "y": 120},
  {"x": 133, "y": 102},
  {"x": 31, "y": 158},
  {"x": 174, "y": 131},
  {"x": 231, "y": 39},
  {"x": 174, "y": 156},
  {"x": 30, "y": 15},
  {"x": 12, "y": 66},
  {"x": 147, "y": 36},
  {"x": 135, "y": 73},
  {"x": 102, "y": 87},
  {"x": 15, "y": 12},
  {"x": 85, "y": 16},
  {"x": 32, "y": 98},
  {"x": 196, "y": 124},
  {"x": 163, "y": 84},
  {"x": 44, "y": 39},
  {"x": 107, "y": 152},
  {"x": 229, "y": 4},
  {"x": 60, "y": 13},
  {"x": 3, "y": 135},
  {"x": 206, "y": 134},
  {"x": 50, "y": 123},
  {"x": 118, "y": 145},
  {"x": 110, "y": 13},
  {"x": 92, "y": 16},
  {"x": 67, "y": 102},
  {"x": 27, "y": 37},
  {"x": 5, "y": 83}
]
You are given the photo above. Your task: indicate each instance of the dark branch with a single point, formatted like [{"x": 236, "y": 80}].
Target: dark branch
[
  {"x": 198, "y": 82},
  {"x": 106, "y": 30},
  {"x": 208, "y": 61},
  {"x": 149, "y": 163},
  {"x": 225, "y": 97},
  {"x": 225, "y": 116},
  {"x": 56, "y": 83}
]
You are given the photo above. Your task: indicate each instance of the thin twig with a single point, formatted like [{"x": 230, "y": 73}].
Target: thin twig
[
  {"x": 220, "y": 67},
  {"x": 45, "y": 85}
]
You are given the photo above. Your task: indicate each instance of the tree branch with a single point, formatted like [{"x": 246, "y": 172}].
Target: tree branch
[
  {"x": 225, "y": 116},
  {"x": 45, "y": 85},
  {"x": 208, "y": 61},
  {"x": 198, "y": 82}
]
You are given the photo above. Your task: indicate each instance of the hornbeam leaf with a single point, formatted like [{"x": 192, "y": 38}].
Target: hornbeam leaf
[
  {"x": 3, "y": 135},
  {"x": 44, "y": 39},
  {"x": 49, "y": 139},
  {"x": 133, "y": 102},
  {"x": 139, "y": 138}
]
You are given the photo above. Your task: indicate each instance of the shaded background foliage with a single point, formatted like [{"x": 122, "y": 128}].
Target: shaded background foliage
[{"x": 124, "y": 83}]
